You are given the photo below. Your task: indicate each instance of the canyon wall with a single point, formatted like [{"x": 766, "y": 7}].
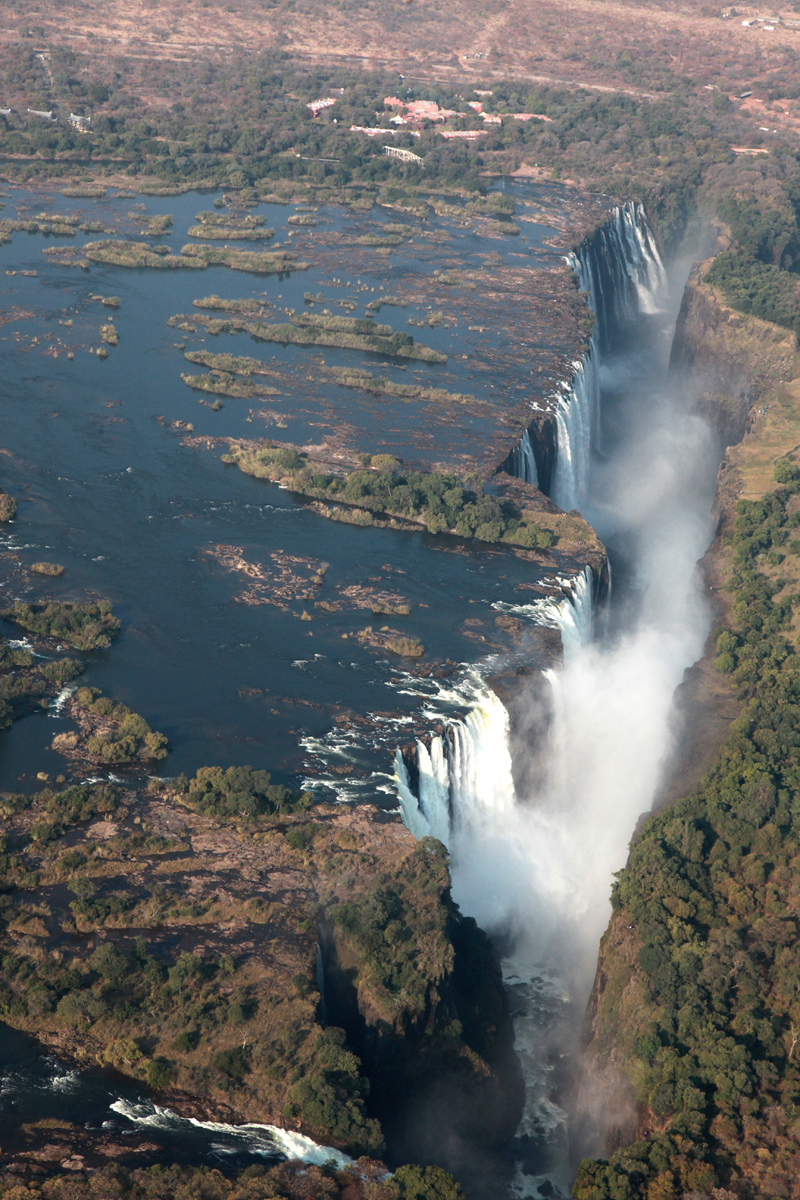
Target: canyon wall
[{"x": 746, "y": 375}]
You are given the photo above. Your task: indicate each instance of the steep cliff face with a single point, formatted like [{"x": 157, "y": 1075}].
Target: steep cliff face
[
  {"x": 681, "y": 1088},
  {"x": 739, "y": 367},
  {"x": 730, "y": 358}
]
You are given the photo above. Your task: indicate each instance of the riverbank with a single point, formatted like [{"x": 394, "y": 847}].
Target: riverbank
[{"x": 170, "y": 931}]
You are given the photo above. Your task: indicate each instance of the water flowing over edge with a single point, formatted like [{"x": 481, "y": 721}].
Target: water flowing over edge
[
  {"x": 464, "y": 779},
  {"x": 620, "y": 270}
]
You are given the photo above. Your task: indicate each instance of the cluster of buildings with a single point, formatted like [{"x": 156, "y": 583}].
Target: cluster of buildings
[
  {"x": 75, "y": 120},
  {"x": 317, "y": 105},
  {"x": 770, "y": 24},
  {"x": 377, "y": 131},
  {"x": 410, "y": 115}
]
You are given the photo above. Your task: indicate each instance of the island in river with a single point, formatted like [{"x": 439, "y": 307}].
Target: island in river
[{"x": 239, "y": 946}]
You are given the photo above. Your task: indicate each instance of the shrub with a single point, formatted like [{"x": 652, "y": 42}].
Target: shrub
[
  {"x": 786, "y": 472},
  {"x": 159, "y": 1074},
  {"x": 240, "y": 793},
  {"x": 427, "y": 1183},
  {"x": 233, "y": 1065}
]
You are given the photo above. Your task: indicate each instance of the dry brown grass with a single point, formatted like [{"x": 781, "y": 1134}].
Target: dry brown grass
[{"x": 636, "y": 47}]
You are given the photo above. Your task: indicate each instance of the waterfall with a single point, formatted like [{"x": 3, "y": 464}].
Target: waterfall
[
  {"x": 621, "y": 271},
  {"x": 522, "y": 461},
  {"x": 465, "y": 784},
  {"x": 572, "y": 614},
  {"x": 577, "y": 421},
  {"x": 465, "y": 780}
]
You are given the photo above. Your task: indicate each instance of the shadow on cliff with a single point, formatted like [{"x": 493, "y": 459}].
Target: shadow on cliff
[{"x": 447, "y": 1089}]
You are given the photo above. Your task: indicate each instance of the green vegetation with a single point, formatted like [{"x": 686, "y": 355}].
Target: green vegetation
[
  {"x": 365, "y": 1180},
  {"x": 443, "y": 503},
  {"x": 362, "y": 380},
  {"x": 142, "y": 254},
  {"x": 710, "y": 890},
  {"x": 171, "y": 1017},
  {"x": 230, "y": 220},
  {"x": 376, "y": 305},
  {"x": 276, "y": 262},
  {"x": 233, "y": 364},
  {"x": 118, "y": 735},
  {"x": 109, "y": 335},
  {"x": 316, "y": 329},
  {"x": 244, "y": 305},
  {"x": 56, "y": 812},
  {"x": 47, "y": 568},
  {"x": 8, "y": 506},
  {"x": 54, "y": 227},
  {"x": 159, "y": 224},
  {"x": 84, "y": 625},
  {"x": 137, "y": 254},
  {"x": 230, "y": 233},
  {"x": 123, "y": 996},
  {"x": 224, "y": 384},
  {"x": 760, "y": 288},
  {"x": 238, "y": 794},
  {"x": 379, "y": 239},
  {"x": 25, "y": 681}
]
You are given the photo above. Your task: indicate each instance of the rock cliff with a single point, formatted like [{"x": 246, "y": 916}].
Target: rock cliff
[{"x": 638, "y": 1047}]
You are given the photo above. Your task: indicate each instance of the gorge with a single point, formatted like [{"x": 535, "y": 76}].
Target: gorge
[
  {"x": 535, "y": 867},
  {"x": 530, "y": 746}
]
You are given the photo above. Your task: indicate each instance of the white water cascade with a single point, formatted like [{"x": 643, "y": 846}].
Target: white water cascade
[
  {"x": 465, "y": 786},
  {"x": 577, "y": 420},
  {"x": 621, "y": 271},
  {"x": 538, "y": 868},
  {"x": 523, "y": 460},
  {"x": 572, "y": 614}
]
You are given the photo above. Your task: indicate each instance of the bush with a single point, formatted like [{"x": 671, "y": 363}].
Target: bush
[
  {"x": 159, "y": 1074},
  {"x": 233, "y": 1065},
  {"x": 427, "y": 1183},
  {"x": 83, "y": 625},
  {"x": 240, "y": 793},
  {"x": 786, "y": 472}
]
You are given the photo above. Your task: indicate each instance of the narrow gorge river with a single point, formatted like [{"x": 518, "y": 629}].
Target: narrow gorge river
[
  {"x": 537, "y": 798},
  {"x": 535, "y": 866}
]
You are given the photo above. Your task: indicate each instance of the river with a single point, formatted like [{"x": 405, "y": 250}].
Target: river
[{"x": 95, "y": 452}]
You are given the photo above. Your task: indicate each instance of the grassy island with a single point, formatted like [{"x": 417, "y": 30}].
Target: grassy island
[
  {"x": 8, "y": 506},
  {"x": 137, "y": 254},
  {"x": 233, "y": 364},
  {"x": 84, "y": 625},
  {"x": 47, "y": 568},
  {"x": 256, "y": 307},
  {"x": 441, "y": 503},
  {"x": 223, "y": 383},
  {"x": 316, "y": 329},
  {"x": 193, "y": 257},
  {"x": 364, "y": 381},
  {"x": 230, "y": 233},
  {"x": 274, "y": 262},
  {"x": 109, "y": 732}
]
